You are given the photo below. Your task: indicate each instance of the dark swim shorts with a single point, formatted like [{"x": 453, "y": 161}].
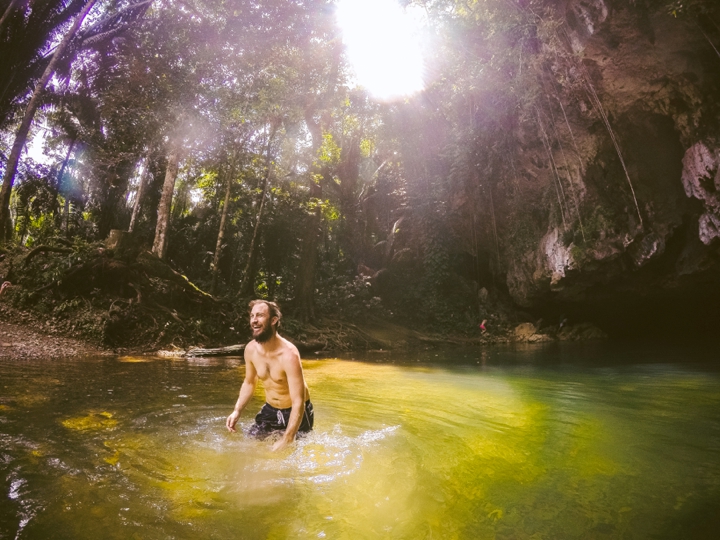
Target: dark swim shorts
[{"x": 270, "y": 419}]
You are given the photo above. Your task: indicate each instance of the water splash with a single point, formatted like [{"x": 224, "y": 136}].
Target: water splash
[{"x": 324, "y": 457}]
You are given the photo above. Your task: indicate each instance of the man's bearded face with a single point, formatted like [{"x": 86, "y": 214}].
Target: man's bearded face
[{"x": 261, "y": 324}]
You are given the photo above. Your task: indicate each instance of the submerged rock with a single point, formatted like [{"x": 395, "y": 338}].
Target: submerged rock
[{"x": 92, "y": 421}]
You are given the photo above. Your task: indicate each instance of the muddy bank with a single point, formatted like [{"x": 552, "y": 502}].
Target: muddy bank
[{"x": 23, "y": 341}]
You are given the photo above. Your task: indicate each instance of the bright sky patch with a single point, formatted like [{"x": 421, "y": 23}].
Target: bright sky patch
[{"x": 383, "y": 46}]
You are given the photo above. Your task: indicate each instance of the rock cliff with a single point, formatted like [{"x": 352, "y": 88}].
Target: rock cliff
[{"x": 632, "y": 166}]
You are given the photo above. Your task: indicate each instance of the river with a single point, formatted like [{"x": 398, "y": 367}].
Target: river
[{"x": 573, "y": 441}]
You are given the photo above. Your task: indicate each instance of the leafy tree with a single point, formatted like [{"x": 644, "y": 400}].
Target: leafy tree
[{"x": 24, "y": 129}]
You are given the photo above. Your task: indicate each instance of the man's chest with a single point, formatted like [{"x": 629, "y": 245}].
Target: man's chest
[{"x": 270, "y": 370}]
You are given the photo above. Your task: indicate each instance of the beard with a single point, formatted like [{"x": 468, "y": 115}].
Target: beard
[{"x": 261, "y": 335}]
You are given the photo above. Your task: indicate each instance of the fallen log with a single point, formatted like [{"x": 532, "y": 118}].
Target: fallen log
[
  {"x": 310, "y": 346},
  {"x": 231, "y": 350},
  {"x": 220, "y": 351},
  {"x": 44, "y": 249}
]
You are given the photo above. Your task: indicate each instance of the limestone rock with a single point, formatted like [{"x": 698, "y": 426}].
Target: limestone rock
[
  {"x": 701, "y": 180},
  {"x": 709, "y": 227},
  {"x": 524, "y": 330},
  {"x": 647, "y": 248},
  {"x": 585, "y": 18},
  {"x": 559, "y": 258},
  {"x": 483, "y": 295},
  {"x": 539, "y": 338}
]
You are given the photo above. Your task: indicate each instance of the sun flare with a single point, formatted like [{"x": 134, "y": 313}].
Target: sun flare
[{"x": 383, "y": 46}]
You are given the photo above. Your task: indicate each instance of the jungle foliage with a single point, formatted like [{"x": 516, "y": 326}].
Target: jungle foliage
[{"x": 291, "y": 183}]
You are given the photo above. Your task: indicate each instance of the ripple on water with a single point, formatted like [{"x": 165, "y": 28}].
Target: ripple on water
[{"x": 20, "y": 495}]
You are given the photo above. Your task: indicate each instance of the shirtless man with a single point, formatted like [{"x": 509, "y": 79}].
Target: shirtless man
[{"x": 276, "y": 362}]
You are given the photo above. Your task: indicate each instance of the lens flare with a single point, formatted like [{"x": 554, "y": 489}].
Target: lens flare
[{"x": 383, "y": 46}]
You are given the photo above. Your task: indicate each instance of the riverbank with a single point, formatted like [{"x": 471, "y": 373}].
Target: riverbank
[
  {"x": 91, "y": 298},
  {"x": 28, "y": 336},
  {"x": 382, "y": 336},
  {"x": 25, "y": 341}
]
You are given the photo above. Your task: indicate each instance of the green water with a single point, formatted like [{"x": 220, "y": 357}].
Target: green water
[{"x": 572, "y": 442}]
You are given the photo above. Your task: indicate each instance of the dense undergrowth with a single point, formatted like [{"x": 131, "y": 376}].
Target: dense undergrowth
[
  {"x": 128, "y": 299},
  {"x": 116, "y": 298}
]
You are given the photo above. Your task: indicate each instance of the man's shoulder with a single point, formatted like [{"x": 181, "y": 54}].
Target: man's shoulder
[
  {"x": 289, "y": 349},
  {"x": 251, "y": 347}
]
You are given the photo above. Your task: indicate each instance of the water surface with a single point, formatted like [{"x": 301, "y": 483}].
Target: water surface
[{"x": 535, "y": 442}]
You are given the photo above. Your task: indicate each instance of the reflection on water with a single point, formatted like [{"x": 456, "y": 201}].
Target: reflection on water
[{"x": 568, "y": 442}]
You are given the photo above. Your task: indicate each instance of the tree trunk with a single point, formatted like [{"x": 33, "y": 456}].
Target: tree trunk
[
  {"x": 308, "y": 260},
  {"x": 248, "y": 283},
  {"x": 24, "y": 129},
  {"x": 61, "y": 174},
  {"x": 348, "y": 172},
  {"x": 140, "y": 192},
  {"x": 308, "y": 253},
  {"x": 221, "y": 232},
  {"x": 311, "y": 236},
  {"x": 6, "y": 15},
  {"x": 160, "y": 244}
]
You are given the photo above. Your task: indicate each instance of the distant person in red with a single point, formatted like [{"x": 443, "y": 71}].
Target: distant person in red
[{"x": 481, "y": 326}]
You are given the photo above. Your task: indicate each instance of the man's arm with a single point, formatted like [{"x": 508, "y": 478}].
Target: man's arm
[
  {"x": 246, "y": 392},
  {"x": 296, "y": 385}
]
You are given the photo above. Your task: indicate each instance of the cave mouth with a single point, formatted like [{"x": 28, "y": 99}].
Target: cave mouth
[{"x": 689, "y": 314}]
